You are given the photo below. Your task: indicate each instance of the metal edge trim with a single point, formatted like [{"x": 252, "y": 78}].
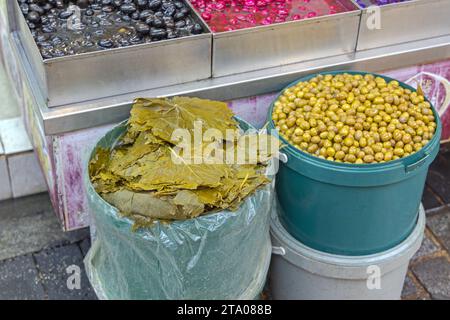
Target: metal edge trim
[
  {"x": 287, "y": 24},
  {"x": 57, "y": 120}
]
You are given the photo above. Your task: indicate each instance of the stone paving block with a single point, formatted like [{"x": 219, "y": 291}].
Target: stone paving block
[
  {"x": 29, "y": 225},
  {"x": 26, "y": 175},
  {"x": 429, "y": 199},
  {"x": 409, "y": 288},
  {"x": 439, "y": 223},
  {"x": 5, "y": 185},
  {"x": 439, "y": 177},
  {"x": 85, "y": 245},
  {"x": 19, "y": 279},
  {"x": 10, "y": 106},
  {"x": 52, "y": 265},
  {"x": 437, "y": 211},
  {"x": 14, "y": 136},
  {"x": 434, "y": 275},
  {"x": 427, "y": 248}
]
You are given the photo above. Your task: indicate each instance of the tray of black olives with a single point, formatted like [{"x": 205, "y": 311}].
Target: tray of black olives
[{"x": 82, "y": 50}]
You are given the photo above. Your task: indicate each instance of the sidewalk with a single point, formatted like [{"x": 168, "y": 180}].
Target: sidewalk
[
  {"x": 9, "y": 107},
  {"x": 34, "y": 252}
]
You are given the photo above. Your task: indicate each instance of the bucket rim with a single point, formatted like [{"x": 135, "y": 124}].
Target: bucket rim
[
  {"x": 92, "y": 193},
  {"x": 338, "y": 266},
  {"x": 352, "y": 166}
]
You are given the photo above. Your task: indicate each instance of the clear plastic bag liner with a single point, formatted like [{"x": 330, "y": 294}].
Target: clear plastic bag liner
[{"x": 221, "y": 255}]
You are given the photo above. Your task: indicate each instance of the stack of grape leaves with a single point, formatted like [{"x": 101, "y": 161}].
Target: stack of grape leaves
[{"x": 140, "y": 177}]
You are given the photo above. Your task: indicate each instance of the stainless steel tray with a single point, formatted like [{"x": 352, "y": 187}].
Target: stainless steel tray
[
  {"x": 100, "y": 74},
  {"x": 285, "y": 43},
  {"x": 115, "y": 109},
  {"x": 403, "y": 22}
]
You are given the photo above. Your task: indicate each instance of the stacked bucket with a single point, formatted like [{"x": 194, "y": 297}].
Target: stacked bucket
[{"x": 344, "y": 231}]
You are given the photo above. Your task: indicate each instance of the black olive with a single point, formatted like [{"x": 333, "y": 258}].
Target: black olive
[
  {"x": 31, "y": 25},
  {"x": 34, "y": 17},
  {"x": 48, "y": 29},
  {"x": 170, "y": 11},
  {"x": 145, "y": 14},
  {"x": 123, "y": 43},
  {"x": 47, "y": 7},
  {"x": 158, "y": 23},
  {"x": 37, "y": 8},
  {"x": 99, "y": 33},
  {"x": 128, "y": 8},
  {"x": 104, "y": 22},
  {"x": 180, "y": 24},
  {"x": 117, "y": 3},
  {"x": 172, "y": 34},
  {"x": 158, "y": 33},
  {"x": 46, "y": 54},
  {"x": 24, "y": 8},
  {"x": 135, "y": 15},
  {"x": 105, "y": 43},
  {"x": 59, "y": 4},
  {"x": 45, "y": 20},
  {"x": 41, "y": 38},
  {"x": 87, "y": 43},
  {"x": 58, "y": 53},
  {"x": 179, "y": 4},
  {"x": 136, "y": 39},
  {"x": 108, "y": 9},
  {"x": 154, "y": 4},
  {"x": 197, "y": 29},
  {"x": 46, "y": 44},
  {"x": 150, "y": 20},
  {"x": 168, "y": 21},
  {"x": 65, "y": 14},
  {"x": 141, "y": 3},
  {"x": 57, "y": 41},
  {"x": 40, "y": 2},
  {"x": 142, "y": 28},
  {"x": 83, "y": 4},
  {"x": 179, "y": 15},
  {"x": 145, "y": 20}
]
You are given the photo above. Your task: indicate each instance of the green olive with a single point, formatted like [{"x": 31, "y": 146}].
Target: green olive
[{"x": 354, "y": 118}]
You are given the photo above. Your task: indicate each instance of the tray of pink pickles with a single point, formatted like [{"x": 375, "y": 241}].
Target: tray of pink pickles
[{"x": 228, "y": 15}]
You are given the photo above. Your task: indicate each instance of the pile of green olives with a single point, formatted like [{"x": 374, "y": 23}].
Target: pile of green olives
[{"x": 354, "y": 118}]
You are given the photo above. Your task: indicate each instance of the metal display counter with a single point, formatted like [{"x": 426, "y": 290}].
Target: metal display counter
[{"x": 63, "y": 133}]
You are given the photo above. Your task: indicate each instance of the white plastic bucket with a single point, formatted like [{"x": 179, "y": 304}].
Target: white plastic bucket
[
  {"x": 255, "y": 289},
  {"x": 299, "y": 272}
]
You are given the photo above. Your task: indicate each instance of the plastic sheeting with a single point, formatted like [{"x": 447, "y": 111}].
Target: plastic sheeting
[{"x": 222, "y": 255}]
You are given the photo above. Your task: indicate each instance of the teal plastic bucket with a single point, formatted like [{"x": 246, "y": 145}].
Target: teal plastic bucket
[{"x": 351, "y": 209}]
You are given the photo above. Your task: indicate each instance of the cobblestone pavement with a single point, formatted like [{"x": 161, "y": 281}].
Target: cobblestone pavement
[
  {"x": 35, "y": 253},
  {"x": 429, "y": 271}
]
